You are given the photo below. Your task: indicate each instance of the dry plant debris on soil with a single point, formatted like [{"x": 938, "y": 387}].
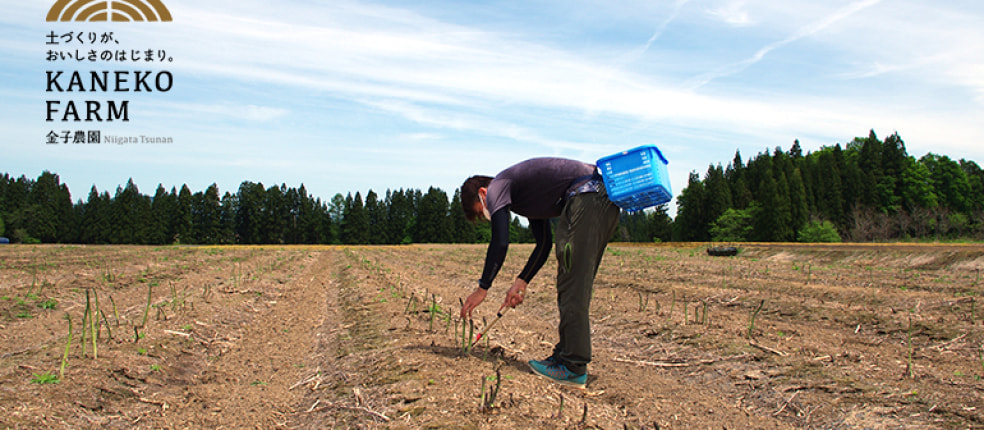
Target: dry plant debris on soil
[{"x": 780, "y": 336}]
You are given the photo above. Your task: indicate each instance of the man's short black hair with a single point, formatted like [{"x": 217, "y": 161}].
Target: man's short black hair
[{"x": 469, "y": 194}]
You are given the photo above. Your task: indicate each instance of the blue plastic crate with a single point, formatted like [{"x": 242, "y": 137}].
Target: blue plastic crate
[{"x": 636, "y": 179}]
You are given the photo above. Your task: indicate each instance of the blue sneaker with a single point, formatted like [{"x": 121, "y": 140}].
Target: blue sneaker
[
  {"x": 558, "y": 373},
  {"x": 549, "y": 361}
]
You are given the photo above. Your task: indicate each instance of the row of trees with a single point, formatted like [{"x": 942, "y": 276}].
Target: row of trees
[
  {"x": 872, "y": 190},
  {"x": 42, "y": 211}
]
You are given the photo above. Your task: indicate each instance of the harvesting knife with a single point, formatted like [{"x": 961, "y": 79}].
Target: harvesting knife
[{"x": 498, "y": 315}]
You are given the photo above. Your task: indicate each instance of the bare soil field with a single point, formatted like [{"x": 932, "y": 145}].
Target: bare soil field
[{"x": 779, "y": 336}]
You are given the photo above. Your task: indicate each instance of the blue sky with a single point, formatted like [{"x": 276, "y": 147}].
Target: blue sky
[{"x": 347, "y": 96}]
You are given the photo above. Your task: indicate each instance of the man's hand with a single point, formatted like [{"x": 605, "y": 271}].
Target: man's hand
[
  {"x": 516, "y": 293},
  {"x": 474, "y": 299}
]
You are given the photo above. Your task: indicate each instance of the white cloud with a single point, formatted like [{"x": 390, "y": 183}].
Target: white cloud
[
  {"x": 845, "y": 65},
  {"x": 733, "y": 13},
  {"x": 444, "y": 76},
  {"x": 972, "y": 76},
  {"x": 246, "y": 112},
  {"x": 805, "y": 31},
  {"x": 259, "y": 113},
  {"x": 677, "y": 7},
  {"x": 460, "y": 121}
]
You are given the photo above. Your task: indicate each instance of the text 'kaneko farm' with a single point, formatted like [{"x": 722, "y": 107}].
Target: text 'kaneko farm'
[{"x": 101, "y": 82}]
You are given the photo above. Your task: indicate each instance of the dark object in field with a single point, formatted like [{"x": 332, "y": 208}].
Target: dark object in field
[
  {"x": 4, "y": 240},
  {"x": 722, "y": 251}
]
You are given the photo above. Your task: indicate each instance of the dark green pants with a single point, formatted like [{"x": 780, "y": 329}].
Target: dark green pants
[{"x": 586, "y": 224}]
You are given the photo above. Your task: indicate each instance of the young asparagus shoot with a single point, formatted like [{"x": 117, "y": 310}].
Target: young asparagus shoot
[
  {"x": 751, "y": 323},
  {"x": 109, "y": 331},
  {"x": 488, "y": 398},
  {"x": 910, "y": 369},
  {"x": 68, "y": 345},
  {"x": 410, "y": 303},
  {"x": 116, "y": 313},
  {"x": 97, "y": 311},
  {"x": 94, "y": 324},
  {"x": 433, "y": 311},
  {"x": 85, "y": 323},
  {"x": 150, "y": 291}
]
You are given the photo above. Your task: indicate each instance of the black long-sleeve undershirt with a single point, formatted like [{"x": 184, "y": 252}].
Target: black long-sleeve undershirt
[{"x": 499, "y": 245}]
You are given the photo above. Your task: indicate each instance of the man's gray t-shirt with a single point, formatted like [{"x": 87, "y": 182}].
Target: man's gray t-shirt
[{"x": 535, "y": 188}]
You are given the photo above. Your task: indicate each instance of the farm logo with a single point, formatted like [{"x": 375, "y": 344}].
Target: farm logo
[
  {"x": 108, "y": 10},
  {"x": 127, "y": 68}
]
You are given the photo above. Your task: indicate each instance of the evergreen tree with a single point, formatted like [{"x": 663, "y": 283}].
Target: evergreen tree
[
  {"x": 462, "y": 231},
  {"x": 326, "y": 227},
  {"x": 16, "y": 208},
  {"x": 783, "y": 229},
  {"x": 782, "y": 165},
  {"x": 690, "y": 224},
  {"x": 94, "y": 222},
  {"x": 830, "y": 199},
  {"x": 163, "y": 207},
  {"x": 415, "y": 196},
  {"x": 276, "y": 215},
  {"x": 227, "y": 224},
  {"x": 796, "y": 151},
  {"x": 799, "y": 209},
  {"x": 783, "y": 170},
  {"x": 718, "y": 195},
  {"x": 50, "y": 217},
  {"x": 336, "y": 213},
  {"x": 355, "y": 221},
  {"x": 249, "y": 212},
  {"x": 4, "y": 183},
  {"x": 766, "y": 226},
  {"x": 894, "y": 161},
  {"x": 207, "y": 216},
  {"x": 759, "y": 168},
  {"x": 400, "y": 217},
  {"x": 292, "y": 200},
  {"x": 660, "y": 225},
  {"x": 309, "y": 213},
  {"x": 807, "y": 166},
  {"x": 850, "y": 180},
  {"x": 377, "y": 219},
  {"x": 433, "y": 222},
  {"x": 131, "y": 216},
  {"x": 741, "y": 196},
  {"x": 183, "y": 219},
  {"x": 870, "y": 165},
  {"x": 20, "y": 211}
]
